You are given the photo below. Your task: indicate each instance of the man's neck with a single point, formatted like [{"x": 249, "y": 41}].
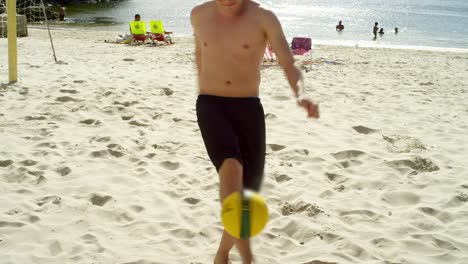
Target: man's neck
[{"x": 226, "y": 13}]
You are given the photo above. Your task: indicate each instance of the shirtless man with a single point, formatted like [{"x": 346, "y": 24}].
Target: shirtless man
[
  {"x": 375, "y": 29},
  {"x": 230, "y": 39},
  {"x": 340, "y": 26}
]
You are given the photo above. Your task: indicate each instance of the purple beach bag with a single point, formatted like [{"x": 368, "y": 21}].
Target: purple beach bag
[{"x": 300, "y": 46}]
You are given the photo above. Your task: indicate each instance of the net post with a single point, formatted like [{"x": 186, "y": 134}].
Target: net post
[
  {"x": 48, "y": 29},
  {"x": 12, "y": 47}
]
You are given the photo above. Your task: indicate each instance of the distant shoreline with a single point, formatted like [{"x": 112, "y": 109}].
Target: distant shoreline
[{"x": 315, "y": 42}]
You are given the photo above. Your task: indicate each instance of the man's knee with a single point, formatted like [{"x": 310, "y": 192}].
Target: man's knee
[
  {"x": 231, "y": 164},
  {"x": 230, "y": 177}
]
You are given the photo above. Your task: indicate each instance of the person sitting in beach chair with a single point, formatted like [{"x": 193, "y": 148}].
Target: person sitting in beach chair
[
  {"x": 269, "y": 55},
  {"x": 138, "y": 29},
  {"x": 300, "y": 46},
  {"x": 158, "y": 33}
]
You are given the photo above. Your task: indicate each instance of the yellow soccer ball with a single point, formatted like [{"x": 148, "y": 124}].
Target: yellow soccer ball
[{"x": 244, "y": 214}]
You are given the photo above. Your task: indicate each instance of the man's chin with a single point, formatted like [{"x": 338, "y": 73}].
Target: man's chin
[{"x": 230, "y": 11}]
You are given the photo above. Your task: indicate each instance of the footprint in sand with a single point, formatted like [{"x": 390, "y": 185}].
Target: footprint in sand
[
  {"x": 34, "y": 66},
  {"x": 102, "y": 139},
  {"x": 92, "y": 240},
  {"x": 88, "y": 238},
  {"x": 69, "y": 91},
  {"x": 403, "y": 144},
  {"x": 116, "y": 153},
  {"x": 11, "y": 224},
  {"x": 126, "y": 104},
  {"x": 275, "y": 147},
  {"x": 336, "y": 178},
  {"x": 104, "y": 153},
  {"x": 136, "y": 123},
  {"x": 126, "y": 118},
  {"x": 170, "y": 165},
  {"x": 426, "y": 83},
  {"x": 298, "y": 152},
  {"x": 33, "y": 219},
  {"x": 100, "y": 200},
  {"x": 401, "y": 198},
  {"x": 115, "y": 146},
  {"x": 351, "y": 249},
  {"x": 361, "y": 215},
  {"x": 46, "y": 145},
  {"x": 99, "y": 153},
  {"x": 270, "y": 116},
  {"x": 385, "y": 248},
  {"x": 417, "y": 164},
  {"x": 34, "y": 118},
  {"x": 457, "y": 200},
  {"x": 35, "y": 173},
  {"x": 28, "y": 163},
  {"x": 462, "y": 197},
  {"x": 438, "y": 214},
  {"x": 40, "y": 180},
  {"x": 5, "y": 163},
  {"x": 319, "y": 262},
  {"x": 150, "y": 155},
  {"x": 24, "y": 91},
  {"x": 160, "y": 116},
  {"x": 55, "y": 248},
  {"x": 63, "y": 170},
  {"x": 167, "y": 91},
  {"x": 281, "y": 178},
  {"x": 191, "y": 200},
  {"x": 348, "y": 154},
  {"x": 66, "y": 99},
  {"x": 436, "y": 241},
  {"x": 299, "y": 207},
  {"x": 137, "y": 208},
  {"x": 124, "y": 217},
  {"x": 91, "y": 122},
  {"x": 349, "y": 163},
  {"x": 48, "y": 199},
  {"x": 364, "y": 130}
]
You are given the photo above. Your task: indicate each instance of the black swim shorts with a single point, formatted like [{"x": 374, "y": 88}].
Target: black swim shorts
[{"x": 234, "y": 127}]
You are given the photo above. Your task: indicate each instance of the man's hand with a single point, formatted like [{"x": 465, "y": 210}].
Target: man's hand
[{"x": 311, "y": 108}]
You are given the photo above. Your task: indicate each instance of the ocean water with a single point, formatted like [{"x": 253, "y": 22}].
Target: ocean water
[{"x": 421, "y": 23}]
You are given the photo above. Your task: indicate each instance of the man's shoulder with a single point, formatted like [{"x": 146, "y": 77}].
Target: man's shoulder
[
  {"x": 264, "y": 11},
  {"x": 265, "y": 14},
  {"x": 201, "y": 7},
  {"x": 199, "y": 11}
]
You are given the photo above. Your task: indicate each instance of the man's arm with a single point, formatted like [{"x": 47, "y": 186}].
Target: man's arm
[
  {"x": 276, "y": 38},
  {"x": 193, "y": 18}
]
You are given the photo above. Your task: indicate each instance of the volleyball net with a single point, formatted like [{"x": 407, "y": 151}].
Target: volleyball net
[{"x": 16, "y": 16}]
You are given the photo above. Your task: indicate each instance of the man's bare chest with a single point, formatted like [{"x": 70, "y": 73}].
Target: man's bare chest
[{"x": 243, "y": 37}]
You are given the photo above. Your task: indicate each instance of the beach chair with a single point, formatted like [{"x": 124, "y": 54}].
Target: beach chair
[
  {"x": 269, "y": 55},
  {"x": 158, "y": 33},
  {"x": 301, "y": 46},
  {"x": 138, "y": 31}
]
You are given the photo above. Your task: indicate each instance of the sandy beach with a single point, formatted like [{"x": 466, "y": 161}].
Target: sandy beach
[{"x": 101, "y": 158}]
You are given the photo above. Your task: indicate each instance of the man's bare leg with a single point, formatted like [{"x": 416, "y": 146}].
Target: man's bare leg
[{"x": 230, "y": 180}]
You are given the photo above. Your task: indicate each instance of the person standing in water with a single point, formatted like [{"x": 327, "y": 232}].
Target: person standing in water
[
  {"x": 376, "y": 29},
  {"x": 340, "y": 26}
]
